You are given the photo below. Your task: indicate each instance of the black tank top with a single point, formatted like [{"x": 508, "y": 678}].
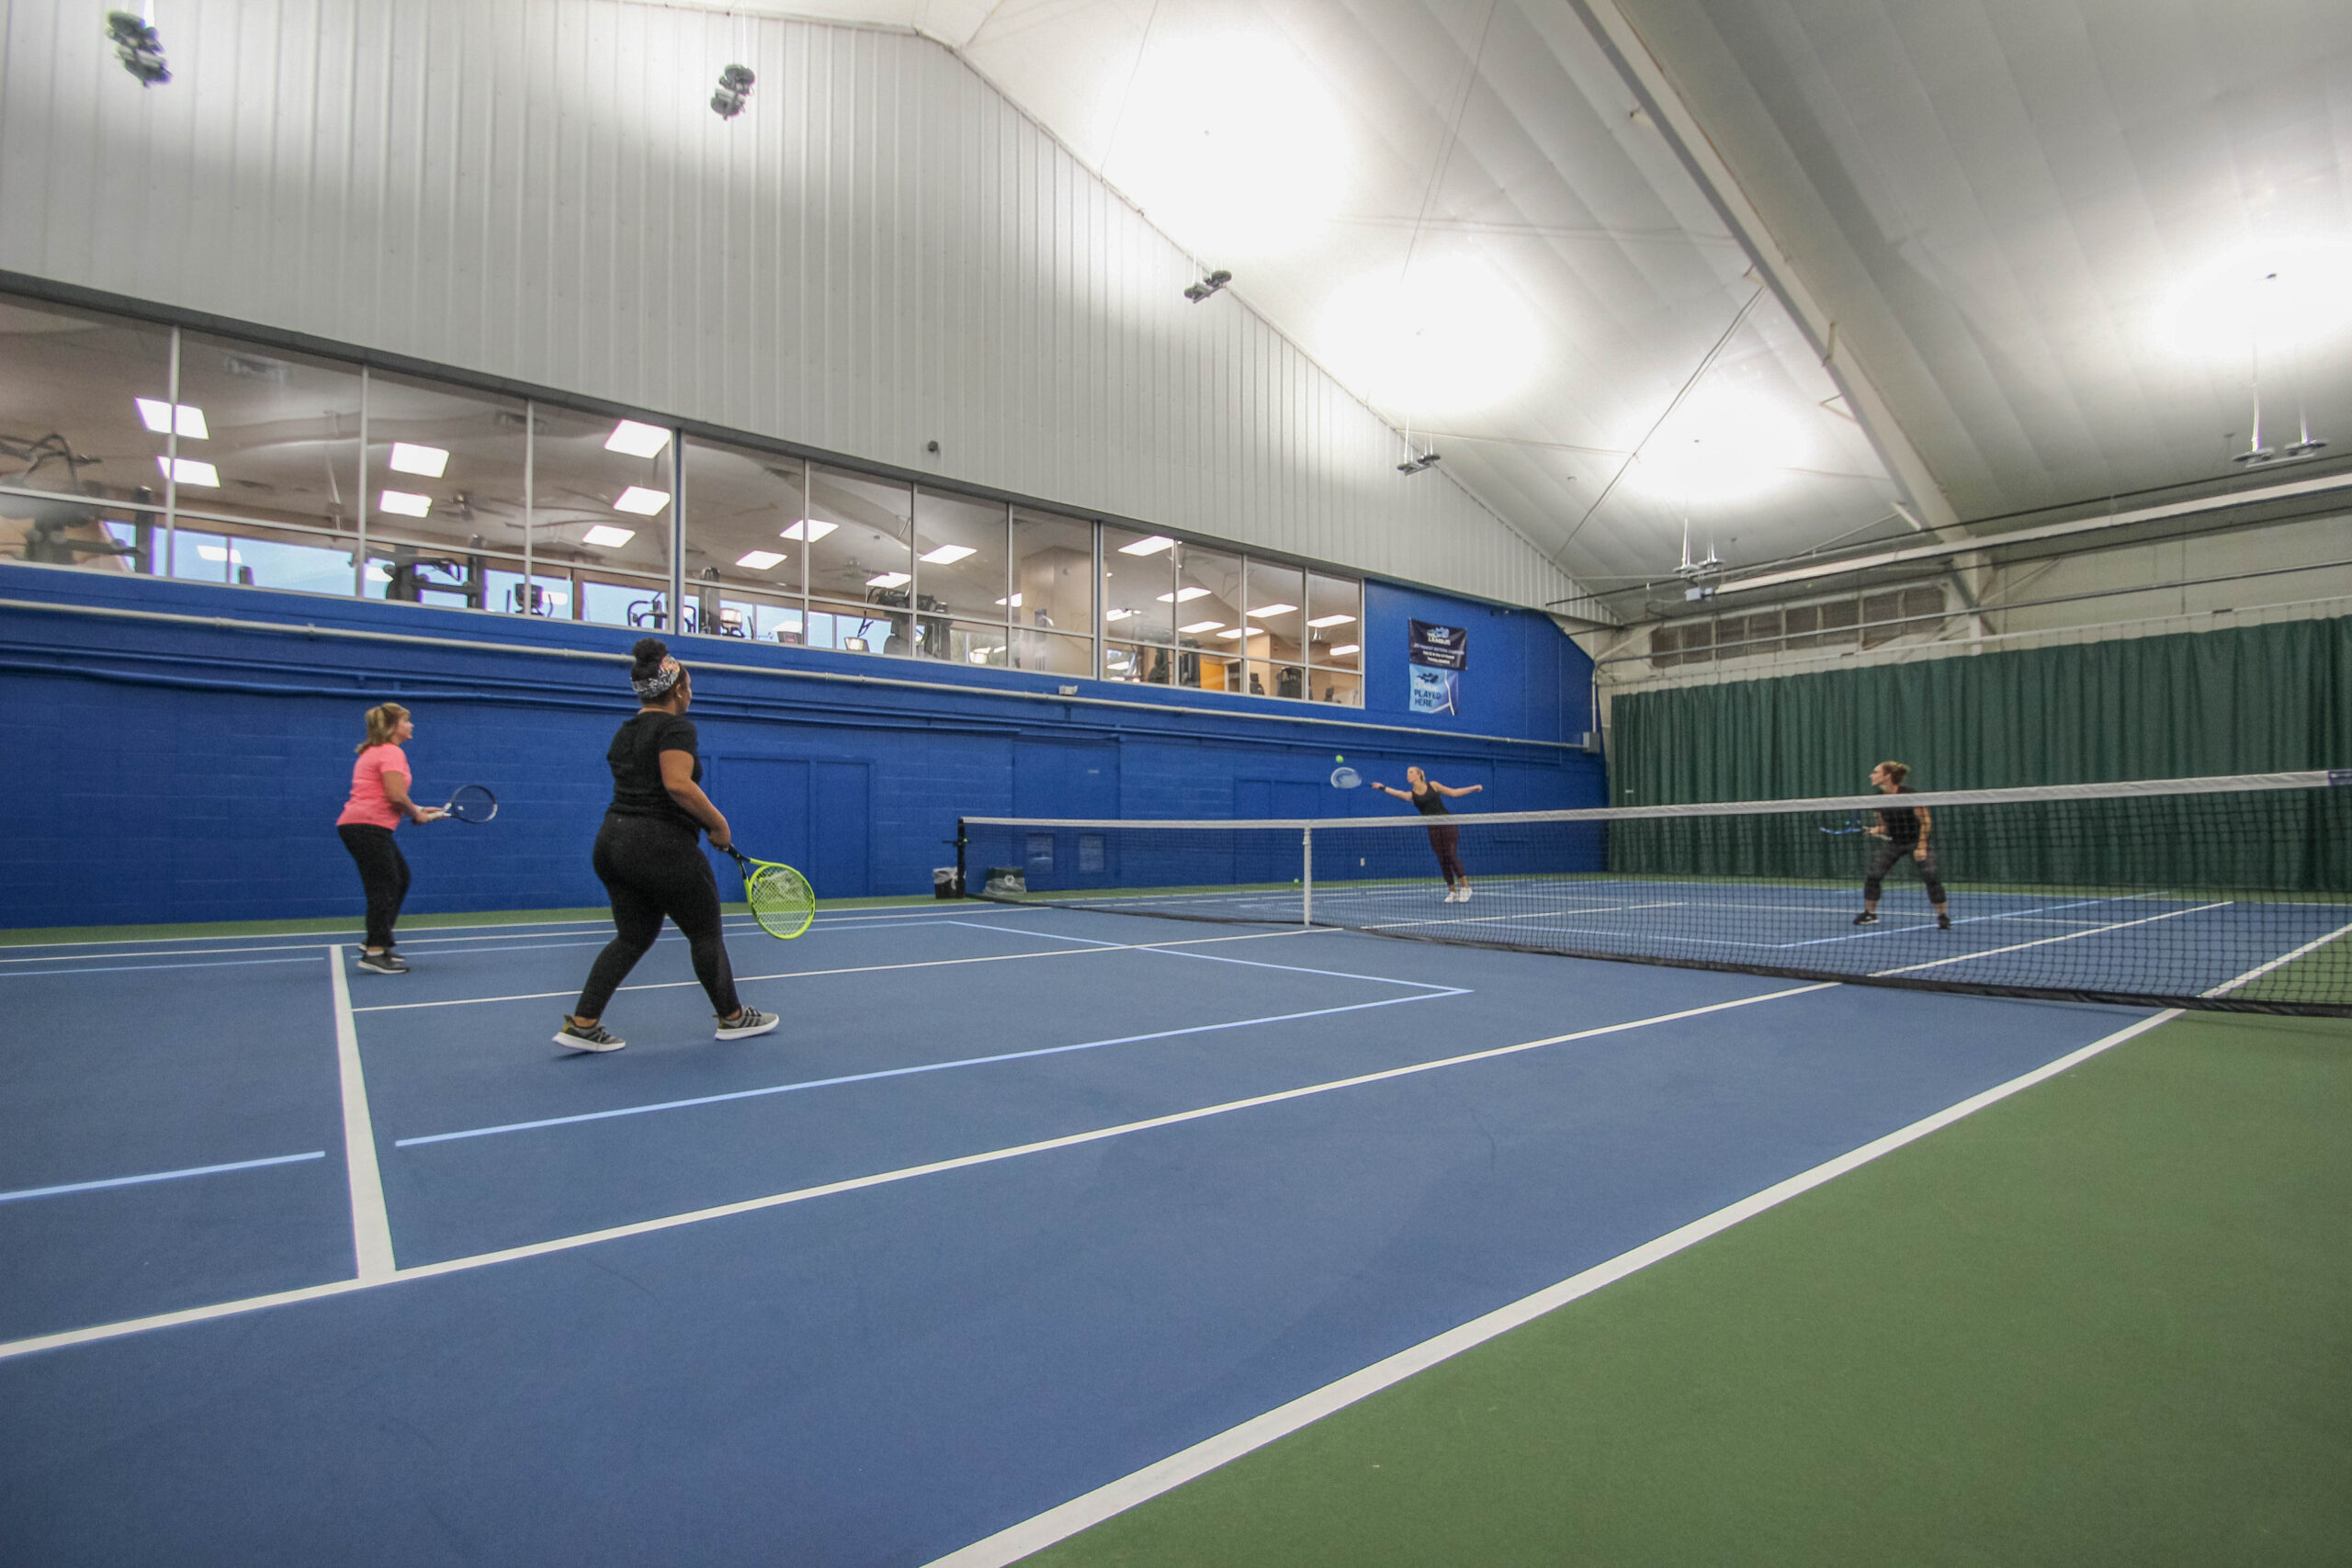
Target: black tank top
[{"x": 1432, "y": 803}]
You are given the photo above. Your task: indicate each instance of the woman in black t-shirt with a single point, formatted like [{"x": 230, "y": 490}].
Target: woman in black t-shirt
[
  {"x": 648, "y": 856},
  {"x": 1900, "y": 830},
  {"x": 1427, "y": 795}
]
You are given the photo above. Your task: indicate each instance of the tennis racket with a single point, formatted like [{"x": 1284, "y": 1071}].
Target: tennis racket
[
  {"x": 781, "y": 899},
  {"x": 471, "y": 803},
  {"x": 1851, "y": 823},
  {"x": 1345, "y": 778}
]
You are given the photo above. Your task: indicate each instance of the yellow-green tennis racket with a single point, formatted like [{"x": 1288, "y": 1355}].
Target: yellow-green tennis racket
[{"x": 781, "y": 899}]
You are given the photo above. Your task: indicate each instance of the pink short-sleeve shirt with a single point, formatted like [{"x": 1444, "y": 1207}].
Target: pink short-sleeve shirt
[{"x": 369, "y": 803}]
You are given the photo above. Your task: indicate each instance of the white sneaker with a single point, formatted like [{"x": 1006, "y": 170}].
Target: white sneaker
[
  {"x": 1453, "y": 895},
  {"x": 1464, "y": 897},
  {"x": 748, "y": 1022}
]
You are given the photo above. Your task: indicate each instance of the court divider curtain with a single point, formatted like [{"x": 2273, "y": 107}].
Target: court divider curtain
[{"x": 2255, "y": 699}]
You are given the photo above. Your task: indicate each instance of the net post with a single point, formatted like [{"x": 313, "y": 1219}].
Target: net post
[
  {"x": 1306, "y": 876},
  {"x": 960, "y": 840}
]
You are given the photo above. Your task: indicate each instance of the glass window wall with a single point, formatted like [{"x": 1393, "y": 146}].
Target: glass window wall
[
  {"x": 745, "y": 543},
  {"x": 85, "y": 413},
  {"x": 1211, "y": 642},
  {"x": 1138, "y": 601},
  {"x": 447, "y": 488},
  {"x": 1335, "y": 639},
  {"x": 959, "y": 572},
  {"x": 600, "y": 514},
  {"x": 860, "y": 534},
  {"x": 278, "y": 463}
]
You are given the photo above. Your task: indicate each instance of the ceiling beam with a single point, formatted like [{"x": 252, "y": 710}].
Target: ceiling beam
[{"x": 1647, "y": 81}]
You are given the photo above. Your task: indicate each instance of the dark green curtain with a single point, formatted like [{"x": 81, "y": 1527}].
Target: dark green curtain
[{"x": 2256, "y": 700}]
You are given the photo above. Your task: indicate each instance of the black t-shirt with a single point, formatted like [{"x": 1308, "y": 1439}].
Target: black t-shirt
[
  {"x": 1902, "y": 824},
  {"x": 635, "y": 757},
  {"x": 1432, "y": 803}
]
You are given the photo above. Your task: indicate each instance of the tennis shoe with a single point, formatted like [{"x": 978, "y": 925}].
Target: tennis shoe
[
  {"x": 1463, "y": 897},
  {"x": 748, "y": 1022},
  {"x": 1943, "y": 922},
  {"x": 587, "y": 1037},
  {"x": 383, "y": 964},
  {"x": 1867, "y": 918}
]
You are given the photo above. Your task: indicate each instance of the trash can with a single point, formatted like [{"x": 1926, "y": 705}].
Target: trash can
[{"x": 946, "y": 882}]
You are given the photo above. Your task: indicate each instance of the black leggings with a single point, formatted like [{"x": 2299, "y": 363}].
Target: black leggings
[
  {"x": 653, "y": 868},
  {"x": 1882, "y": 859},
  {"x": 383, "y": 871},
  {"x": 1446, "y": 840}
]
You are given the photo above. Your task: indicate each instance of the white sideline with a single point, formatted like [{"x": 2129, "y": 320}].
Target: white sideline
[
  {"x": 2226, "y": 986},
  {"x": 1033, "y": 1535},
  {"x": 371, "y": 1226}
]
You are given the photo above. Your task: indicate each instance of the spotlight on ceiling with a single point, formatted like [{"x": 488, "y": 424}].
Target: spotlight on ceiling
[
  {"x": 734, "y": 91},
  {"x": 135, "y": 43},
  {"x": 1416, "y": 465},
  {"x": 1208, "y": 286}
]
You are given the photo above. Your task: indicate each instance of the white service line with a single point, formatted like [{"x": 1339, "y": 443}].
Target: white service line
[
  {"x": 1169, "y": 949},
  {"x": 371, "y": 1227},
  {"x": 1033, "y": 1535},
  {"x": 853, "y": 969},
  {"x": 130, "y": 969},
  {"x": 908, "y": 1173},
  {"x": 920, "y": 1067},
  {"x": 2226, "y": 986},
  {"x": 2044, "y": 942},
  {"x": 1917, "y": 925}
]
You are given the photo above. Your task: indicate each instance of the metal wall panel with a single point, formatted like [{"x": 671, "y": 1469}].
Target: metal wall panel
[{"x": 881, "y": 251}]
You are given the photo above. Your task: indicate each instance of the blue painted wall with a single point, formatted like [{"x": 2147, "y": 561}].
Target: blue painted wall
[{"x": 166, "y": 771}]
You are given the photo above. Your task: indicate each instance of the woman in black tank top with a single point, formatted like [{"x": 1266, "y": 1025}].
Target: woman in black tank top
[
  {"x": 1428, "y": 796},
  {"x": 648, "y": 856}
]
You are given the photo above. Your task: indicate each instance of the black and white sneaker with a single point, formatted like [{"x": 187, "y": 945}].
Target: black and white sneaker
[
  {"x": 587, "y": 1037},
  {"x": 1867, "y": 918},
  {"x": 383, "y": 963},
  {"x": 1943, "y": 922},
  {"x": 745, "y": 1024}
]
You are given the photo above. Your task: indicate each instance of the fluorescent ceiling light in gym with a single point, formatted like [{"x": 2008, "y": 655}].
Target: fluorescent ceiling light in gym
[
  {"x": 220, "y": 553},
  {"x": 1228, "y": 141},
  {"x": 947, "y": 555},
  {"x": 405, "y": 504},
  {"x": 637, "y": 440},
  {"x": 606, "y": 537},
  {"x": 1150, "y": 547},
  {"x": 156, "y": 415},
  {"x": 1234, "y": 632},
  {"x": 1319, "y": 622},
  {"x": 641, "y": 501},
  {"x": 1263, "y": 610},
  {"x": 1199, "y": 626},
  {"x": 410, "y": 458},
  {"x": 1015, "y": 601},
  {"x": 1344, "y": 649},
  {"x": 1723, "y": 444},
  {"x": 759, "y": 560},
  {"x": 809, "y": 529},
  {"x": 1183, "y": 595},
  {"x": 1119, "y": 614},
  {"x": 1449, "y": 337},
  {"x": 2269, "y": 299},
  {"x": 891, "y": 580},
  {"x": 188, "y": 471}
]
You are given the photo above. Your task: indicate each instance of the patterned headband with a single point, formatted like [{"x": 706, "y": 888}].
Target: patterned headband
[{"x": 659, "y": 684}]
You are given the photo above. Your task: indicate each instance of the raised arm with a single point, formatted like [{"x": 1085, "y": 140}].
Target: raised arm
[
  {"x": 678, "y": 778},
  {"x": 1457, "y": 794},
  {"x": 1400, "y": 793}
]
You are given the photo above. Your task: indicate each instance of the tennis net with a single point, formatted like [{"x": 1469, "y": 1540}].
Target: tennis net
[{"x": 2228, "y": 892}]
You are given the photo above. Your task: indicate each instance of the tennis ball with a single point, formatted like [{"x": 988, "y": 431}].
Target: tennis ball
[{"x": 1339, "y": 759}]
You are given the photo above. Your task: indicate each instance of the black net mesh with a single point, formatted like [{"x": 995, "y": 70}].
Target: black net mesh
[{"x": 2212, "y": 893}]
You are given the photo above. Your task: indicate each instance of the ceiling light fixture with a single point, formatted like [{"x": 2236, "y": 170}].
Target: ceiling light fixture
[
  {"x": 188, "y": 471},
  {"x": 1120, "y": 614},
  {"x": 947, "y": 555},
  {"x": 1208, "y": 286},
  {"x": 158, "y": 416},
  {"x": 1183, "y": 595},
  {"x": 1014, "y": 601},
  {"x": 637, "y": 440},
  {"x": 605, "y": 536},
  {"x": 136, "y": 45},
  {"x": 640, "y": 501},
  {"x": 1150, "y": 547},
  {"x": 758, "y": 560},
  {"x": 1265, "y": 610},
  {"x": 409, "y": 458},
  {"x": 809, "y": 529},
  {"x": 1344, "y": 649},
  {"x": 405, "y": 504},
  {"x": 1199, "y": 626},
  {"x": 891, "y": 580},
  {"x": 1234, "y": 633},
  {"x": 1319, "y": 622},
  {"x": 734, "y": 88}
]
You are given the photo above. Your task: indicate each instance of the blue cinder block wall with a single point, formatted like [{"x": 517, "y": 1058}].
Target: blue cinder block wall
[{"x": 190, "y": 768}]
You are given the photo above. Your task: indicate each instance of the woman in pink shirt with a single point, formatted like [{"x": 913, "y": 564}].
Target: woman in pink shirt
[{"x": 379, "y": 798}]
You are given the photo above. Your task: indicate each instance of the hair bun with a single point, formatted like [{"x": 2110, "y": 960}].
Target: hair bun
[{"x": 650, "y": 652}]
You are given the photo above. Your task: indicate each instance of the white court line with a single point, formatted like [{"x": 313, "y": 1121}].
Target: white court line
[
  {"x": 1082, "y": 1513},
  {"x": 908, "y": 1173},
  {"x": 128, "y": 968},
  {"x": 2044, "y": 942},
  {"x": 853, "y": 969},
  {"x": 1969, "y": 920},
  {"x": 2285, "y": 958},
  {"x": 918, "y": 1069},
  {"x": 158, "y": 1176},
  {"x": 371, "y": 1227},
  {"x": 1169, "y": 948}
]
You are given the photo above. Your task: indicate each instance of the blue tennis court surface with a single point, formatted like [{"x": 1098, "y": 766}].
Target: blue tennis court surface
[
  {"x": 2138, "y": 941},
  {"x": 1018, "y": 1201}
]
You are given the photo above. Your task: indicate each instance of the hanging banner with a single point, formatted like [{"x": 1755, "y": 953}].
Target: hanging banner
[
  {"x": 1440, "y": 648},
  {"x": 1435, "y": 691}
]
